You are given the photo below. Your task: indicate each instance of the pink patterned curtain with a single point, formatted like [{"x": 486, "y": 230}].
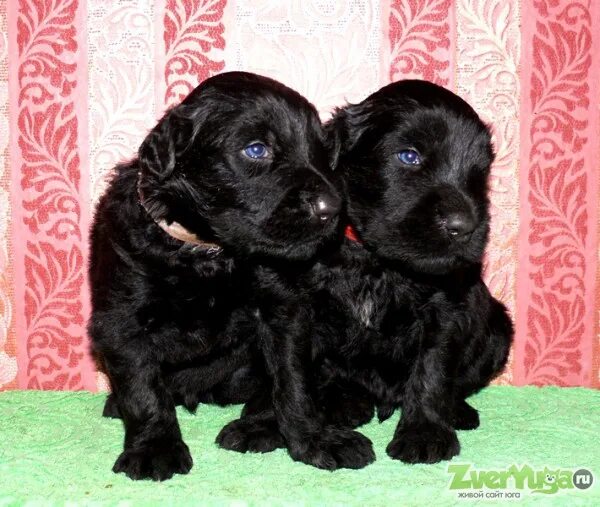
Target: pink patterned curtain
[{"x": 82, "y": 82}]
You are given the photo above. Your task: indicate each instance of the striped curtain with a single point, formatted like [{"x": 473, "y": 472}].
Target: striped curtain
[{"x": 82, "y": 82}]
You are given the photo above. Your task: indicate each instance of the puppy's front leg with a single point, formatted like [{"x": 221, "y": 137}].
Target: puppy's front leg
[
  {"x": 485, "y": 356},
  {"x": 154, "y": 448},
  {"x": 424, "y": 433},
  {"x": 287, "y": 348}
]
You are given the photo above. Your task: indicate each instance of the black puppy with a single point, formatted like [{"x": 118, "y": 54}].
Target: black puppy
[
  {"x": 227, "y": 184},
  {"x": 402, "y": 316}
]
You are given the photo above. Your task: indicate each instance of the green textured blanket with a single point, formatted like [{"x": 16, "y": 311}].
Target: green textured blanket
[{"x": 55, "y": 449}]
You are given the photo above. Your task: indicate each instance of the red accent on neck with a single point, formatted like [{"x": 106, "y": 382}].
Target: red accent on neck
[{"x": 350, "y": 233}]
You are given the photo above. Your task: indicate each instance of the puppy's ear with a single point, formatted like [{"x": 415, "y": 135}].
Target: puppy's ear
[
  {"x": 165, "y": 143},
  {"x": 161, "y": 179},
  {"x": 490, "y": 133},
  {"x": 344, "y": 131},
  {"x": 335, "y": 132}
]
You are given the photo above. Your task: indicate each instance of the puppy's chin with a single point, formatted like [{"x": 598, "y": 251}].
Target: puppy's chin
[
  {"x": 297, "y": 242},
  {"x": 295, "y": 252},
  {"x": 439, "y": 265},
  {"x": 429, "y": 264},
  {"x": 303, "y": 252}
]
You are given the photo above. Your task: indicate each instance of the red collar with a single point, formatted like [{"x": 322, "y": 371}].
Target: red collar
[{"x": 350, "y": 233}]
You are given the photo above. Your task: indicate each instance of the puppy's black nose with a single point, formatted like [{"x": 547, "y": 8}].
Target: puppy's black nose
[
  {"x": 325, "y": 207},
  {"x": 459, "y": 225}
]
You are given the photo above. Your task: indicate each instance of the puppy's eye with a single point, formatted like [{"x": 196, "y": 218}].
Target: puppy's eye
[
  {"x": 409, "y": 157},
  {"x": 256, "y": 151}
]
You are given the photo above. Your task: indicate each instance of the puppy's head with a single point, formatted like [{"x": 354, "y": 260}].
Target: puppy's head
[
  {"x": 415, "y": 159},
  {"x": 241, "y": 162}
]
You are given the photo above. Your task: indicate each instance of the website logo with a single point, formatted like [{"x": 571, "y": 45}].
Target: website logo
[{"x": 515, "y": 480}]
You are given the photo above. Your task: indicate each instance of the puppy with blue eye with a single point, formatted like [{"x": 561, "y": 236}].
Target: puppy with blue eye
[
  {"x": 402, "y": 318},
  {"x": 195, "y": 249}
]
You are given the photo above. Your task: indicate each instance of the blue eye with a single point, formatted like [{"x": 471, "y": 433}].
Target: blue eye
[
  {"x": 256, "y": 151},
  {"x": 409, "y": 157}
]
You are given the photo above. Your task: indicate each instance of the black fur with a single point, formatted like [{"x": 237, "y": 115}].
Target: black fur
[
  {"x": 176, "y": 323},
  {"x": 402, "y": 317}
]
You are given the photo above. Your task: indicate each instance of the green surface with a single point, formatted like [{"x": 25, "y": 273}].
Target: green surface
[{"x": 55, "y": 449}]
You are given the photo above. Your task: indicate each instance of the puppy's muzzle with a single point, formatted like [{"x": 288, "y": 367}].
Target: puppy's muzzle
[
  {"x": 326, "y": 207},
  {"x": 459, "y": 225},
  {"x": 455, "y": 214}
]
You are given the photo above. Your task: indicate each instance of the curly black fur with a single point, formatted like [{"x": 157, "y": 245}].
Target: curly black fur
[
  {"x": 402, "y": 317},
  {"x": 176, "y": 323}
]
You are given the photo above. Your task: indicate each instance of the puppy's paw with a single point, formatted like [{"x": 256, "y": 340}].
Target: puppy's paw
[
  {"x": 465, "y": 416},
  {"x": 111, "y": 409},
  {"x": 427, "y": 443},
  {"x": 157, "y": 460},
  {"x": 348, "y": 411},
  {"x": 385, "y": 411},
  {"x": 335, "y": 448},
  {"x": 248, "y": 435}
]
